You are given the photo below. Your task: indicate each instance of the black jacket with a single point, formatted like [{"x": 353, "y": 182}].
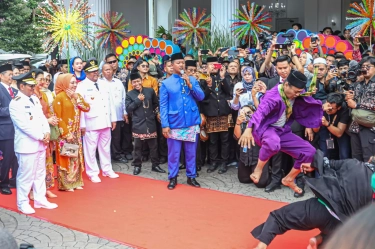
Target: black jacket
[
  {"x": 6, "y": 124},
  {"x": 143, "y": 113},
  {"x": 345, "y": 185},
  {"x": 215, "y": 103}
]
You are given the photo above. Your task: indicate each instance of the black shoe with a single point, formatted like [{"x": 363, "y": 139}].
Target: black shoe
[
  {"x": 158, "y": 169},
  {"x": 144, "y": 158},
  {"x": 12, "y": 186},
  {"x": 120, "y": 160},
  {"x": 137, "y": 170},
  {"x": 193, "y": 182},
  {"x": 272, "y": 186},
  {"x": 212, "y": 167},
  {"x": 182, "y": 166},
  {"x": 129, "y": 157},
  {"x": 301, "y": 184},
  {"x": 5, "y": 191},
  {"x": 172, "y": 183},
  {"x": 223, "y": 168},
  {"x": 199, "y": 168},
  {"x": 163, "y": 160}
]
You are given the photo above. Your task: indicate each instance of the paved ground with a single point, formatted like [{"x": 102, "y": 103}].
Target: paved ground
[{"x": 45, "y": 235}]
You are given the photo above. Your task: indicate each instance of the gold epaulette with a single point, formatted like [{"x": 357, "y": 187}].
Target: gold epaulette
[{"x": 17, "y": 98}]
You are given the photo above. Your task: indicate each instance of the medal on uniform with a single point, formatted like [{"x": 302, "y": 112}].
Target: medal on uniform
[{"x": 216, "y": 89}]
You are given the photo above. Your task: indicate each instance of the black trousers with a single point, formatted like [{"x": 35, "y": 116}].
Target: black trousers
[
  {"x": 127, "y": 142},
  {"x": 9, "y": 162},
  {"x": 303, "y": 216},
  {"x": 139, "y": 144},
  {"x": 244, "y": 172},
  {"x": 216, "y": 139},
  {"x": 162, "y": 141},
  {"x": 116, "y": 140},
  {"x": 363, "y": 144}
]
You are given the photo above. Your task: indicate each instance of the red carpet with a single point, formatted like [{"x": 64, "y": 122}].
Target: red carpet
[{"x": 143, "y": 213}]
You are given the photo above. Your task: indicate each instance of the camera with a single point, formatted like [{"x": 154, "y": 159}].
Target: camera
[
  {"x": 289, "y": 38},
  {"x": 265, "y": 39}
]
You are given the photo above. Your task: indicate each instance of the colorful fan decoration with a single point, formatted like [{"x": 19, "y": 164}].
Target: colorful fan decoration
[
  {"x": 250, "y": 22},
  {"x": 112, "y": 30},
  {"x": 362, "y": 15},
  {"x": 63, "y": 26},
  {"x": 192, "y": 27}
]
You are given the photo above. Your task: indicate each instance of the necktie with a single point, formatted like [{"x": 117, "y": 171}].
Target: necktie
[
  {"x": 97, "y": 87},
  {"x": 32, "y": 101},
  {"x": 11, "y": 92}
]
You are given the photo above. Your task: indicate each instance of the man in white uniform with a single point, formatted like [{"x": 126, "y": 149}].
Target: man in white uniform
[
  {"x": 118, "y": 95},
  {"x": 32, "y": 133},
  {"x": 97, "y": 123}
]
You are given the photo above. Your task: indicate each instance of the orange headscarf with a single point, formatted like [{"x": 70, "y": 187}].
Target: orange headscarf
[{"x": 63, "y": 82}]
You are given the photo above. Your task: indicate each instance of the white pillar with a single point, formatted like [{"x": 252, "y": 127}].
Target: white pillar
[
  {"x": 222, "y": 12},
  {"x": 99, "y": 7},
  {"x": 151, "y": 18},
  {"x": 164, "y": 13}
]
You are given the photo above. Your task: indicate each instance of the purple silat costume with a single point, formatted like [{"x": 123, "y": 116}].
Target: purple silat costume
[{"x": 306, "y": 111}]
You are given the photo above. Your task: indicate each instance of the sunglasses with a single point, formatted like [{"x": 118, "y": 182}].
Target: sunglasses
[
  {"x": 145, "y": 66},
  {"x": 111, "y": 62}
]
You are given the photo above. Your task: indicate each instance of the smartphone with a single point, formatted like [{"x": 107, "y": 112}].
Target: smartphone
[
  {"x": 204, "y": 51},
  {"x": 243, "y": 90},
  {"x": 314, "y": 39},
  {"x": 233, "y": 52},
  {"x": 281, "y": 46},
  {"x": 364, "y": 39},
  {"x": 223, "y": 50},
  {"x": 217, "y": 66}
]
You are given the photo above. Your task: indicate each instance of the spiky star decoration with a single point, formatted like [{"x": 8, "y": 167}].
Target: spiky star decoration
[
  {"x": 362, "y": 15},
  {"x": 112, "y": 30},
  {"x": 250, "y": 22},
  {"x": 64, "y": 26},
  {"x": 192, "y": 27}
]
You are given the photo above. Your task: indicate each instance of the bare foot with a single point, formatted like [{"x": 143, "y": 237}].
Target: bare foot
[
  {"x": 255, "y": 176},
  {"x": 50, "y": 194},
  {"x": 261, "y": 245},
  {"x": 79, "y": 188},
  {"x": 70, "y": 190},
  {"x": 31, "y": 195},
  {"x": 289, "y": 182}
]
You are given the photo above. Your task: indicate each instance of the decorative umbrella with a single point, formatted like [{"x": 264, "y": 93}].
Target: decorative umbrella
[
  {"x": 112, "y": 30},
  {"x": 250, "y": 22},
  {"x": 64, "y": 26},
  {"x": 192, "y": 27}
]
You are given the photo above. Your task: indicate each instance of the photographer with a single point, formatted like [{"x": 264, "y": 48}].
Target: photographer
[
  {"x": 248, "y": 156},
  {"x": 336, "y": 119},
  {"x": 362, "y": 102},
  {"x": 325, "y": 79}
]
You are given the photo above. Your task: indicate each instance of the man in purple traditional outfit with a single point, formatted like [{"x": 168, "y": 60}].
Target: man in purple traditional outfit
[
  {"x": 270, "y": 126},
  {"x": 180, "y": 119}
]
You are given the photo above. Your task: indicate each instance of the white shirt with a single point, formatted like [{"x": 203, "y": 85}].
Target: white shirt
[
  {"x": 102, "y": 110},
  {"x": 245, "y": 98},
  {"x": 55, "y": 77},
  {"x": 118, "y": 95},
  {"x": 30, "y": 124},
  {"x": 282, "y": 120}
]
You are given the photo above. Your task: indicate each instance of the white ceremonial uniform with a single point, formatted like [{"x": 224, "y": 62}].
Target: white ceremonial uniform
[
  {"x": 98, "y": 126},
  {"x": 118, "y": 94},
  {"x": 30, "y": 126}
]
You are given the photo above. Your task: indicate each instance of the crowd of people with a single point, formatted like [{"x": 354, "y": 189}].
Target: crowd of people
[{"x": 266, "y": 110}]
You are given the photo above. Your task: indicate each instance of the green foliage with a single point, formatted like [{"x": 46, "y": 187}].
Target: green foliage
[
  {"x": 160, "y": 31},
  {"x": 219, "y": 37},
  {"x": 17, "y": 31}
]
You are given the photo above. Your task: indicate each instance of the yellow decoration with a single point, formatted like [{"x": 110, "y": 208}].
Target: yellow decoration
[
  {"x": 62, "y": 27},
  {"x": 132, "y": 40},
  {"x": 125, "y": 43},
  {"x": 119, "y": 50},
  {"x": 139, "y": 39}
]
